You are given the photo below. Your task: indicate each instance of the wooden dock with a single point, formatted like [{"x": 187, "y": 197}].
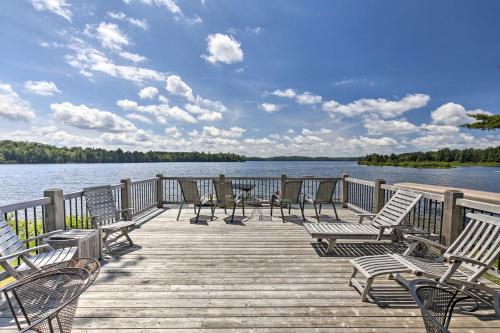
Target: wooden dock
[{"x": 252, "y": 276}]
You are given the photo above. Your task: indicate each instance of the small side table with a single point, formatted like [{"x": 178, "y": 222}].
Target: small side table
[{"x": 88, "y": 242}]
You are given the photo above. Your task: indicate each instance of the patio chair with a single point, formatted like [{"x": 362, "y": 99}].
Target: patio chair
[
  {"x": 105, "y": 216},
  {"x": 324, "y": 196},
  {"x": 12, "y": 248},
  {"x": 383, "y": 225},
  {"x": 48, "y": 299},
  {"x": 191, "y": 195},
  {"x": 226, "y": 197},
  {"x": 437, "y": 301},
  {"x": 289, "y": 196},
  {"x": 470, "y": 256}
]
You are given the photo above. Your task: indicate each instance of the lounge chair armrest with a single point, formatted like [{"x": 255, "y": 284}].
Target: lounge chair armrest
[
  {"x": 426, "y": 242},
  {"x": 23, "y": 252},
  {"x": 34, "y": 238},
  {"x": 363, "y": 215},
  {"x": 454, "y": 257}
]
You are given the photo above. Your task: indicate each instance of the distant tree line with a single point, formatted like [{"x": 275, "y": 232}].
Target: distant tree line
[
  {"x": 485, "y": 122},
  {"x": 31, "y": 152},
  {"x": 453, "y": 156},
  {"x": 302, "y": 158}
]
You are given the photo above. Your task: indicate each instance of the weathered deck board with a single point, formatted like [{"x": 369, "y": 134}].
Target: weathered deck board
[{"x": 258, "y": 276}]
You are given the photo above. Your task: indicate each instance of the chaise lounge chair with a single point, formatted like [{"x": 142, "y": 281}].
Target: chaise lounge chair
[
  {"x": 12, "y": 248},
  {"x": 105, "y": 216},
  {"x": 475, "y": 249},
  {"x": 383, "y": 225}
]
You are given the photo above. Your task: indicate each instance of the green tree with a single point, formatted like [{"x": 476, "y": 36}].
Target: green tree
[{"x": 484, "y": 122}]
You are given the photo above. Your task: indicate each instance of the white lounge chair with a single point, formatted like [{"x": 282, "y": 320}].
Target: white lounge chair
[
  {"x": 382, "y": 225},
  {"x": 12, "y": 248},
  {"x": 470, "y": 256}
]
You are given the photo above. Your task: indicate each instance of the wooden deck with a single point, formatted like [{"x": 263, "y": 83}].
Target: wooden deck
[{"x": 253, "y": 276}]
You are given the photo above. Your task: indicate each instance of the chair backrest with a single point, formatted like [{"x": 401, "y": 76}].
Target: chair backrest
[
  {"x": 436, "y": 305},
  {"x": 480, "y": 240},
  {"x": 101, "y": 205},
  {"x": 9, "y": 241},
  {"x": 224, "y": 192},
  {"x": 190, "y": 193},
  {"x": 396, "y": 209},
  {"x": 325, "y": 191},
  {"x": 291, "y": 191}
]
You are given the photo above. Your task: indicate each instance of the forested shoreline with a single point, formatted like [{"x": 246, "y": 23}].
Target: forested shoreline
[
  {"x": 37, "y": 153},
  {"x": 443, "y": 158}
]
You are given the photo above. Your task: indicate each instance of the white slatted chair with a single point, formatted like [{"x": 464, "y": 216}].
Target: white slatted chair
[
  {"x": 383, "y": 225},
  {"x": 105, "y": 216},
  {"x": 12, "y": 248},
  {"x": 470, "y": 256}
]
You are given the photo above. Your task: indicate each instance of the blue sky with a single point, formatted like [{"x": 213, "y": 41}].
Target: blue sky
[{"x": 318, "y": 78}]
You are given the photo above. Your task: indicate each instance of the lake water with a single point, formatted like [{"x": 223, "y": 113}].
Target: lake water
[{"x": 25, "y": 182}]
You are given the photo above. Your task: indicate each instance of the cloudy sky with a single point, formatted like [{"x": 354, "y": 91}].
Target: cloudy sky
[{"x": 282, "y": 77}]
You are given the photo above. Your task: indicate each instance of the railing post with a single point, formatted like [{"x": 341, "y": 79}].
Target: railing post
[
  {"x": 54, "y": 212},
  {"x": 159, "y": 190},
  {"x": 378, "y": 196},
  {"x": 345, "y": 191},
  {"x": 452, "y": 224},
  {"x": 283, "y": 180},
  {"x": 126, "y": 192}
]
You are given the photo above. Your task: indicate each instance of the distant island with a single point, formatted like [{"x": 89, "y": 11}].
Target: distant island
[
  {"x": 443, "y": 158},
  {"x": 32, "y": 153}
]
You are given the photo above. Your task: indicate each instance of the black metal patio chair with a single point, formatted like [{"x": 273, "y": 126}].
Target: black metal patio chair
[
  {"x": 191, "y": 195},
  {"x": 324, "y": 196}
]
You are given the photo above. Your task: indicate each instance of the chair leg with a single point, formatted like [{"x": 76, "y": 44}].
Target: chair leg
[
  {"x": 180, "y": 208},
  {"x": 272, "y": 208},
  {"x": 368, "y": 285},
  {"x": 316, "y": 210},
  {"x": 243, "y": 206},
  {"x": 302, "y": 211},
  {"x": 335, "y": 210},
  {"x": 289, "y": 209},
  {"x": 353, "y": 275},
  {"x": 232, "y": 215},
  {"x": 198, "y": 214},
  {"x": 331, "y": 243},
  {"x": 212, "y": 208},
  {"x": 282, "y": 215},
  {"x": 320, "y": 205},
  {"x": 125, "y": 233}
]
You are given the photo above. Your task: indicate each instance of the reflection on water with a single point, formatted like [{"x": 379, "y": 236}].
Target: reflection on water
[{"x": 24, "y": 182}]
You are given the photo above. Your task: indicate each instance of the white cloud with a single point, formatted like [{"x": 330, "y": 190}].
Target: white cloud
[
  {"x": 172, "y": 7},
  {"x": 12, "y": 107},
  {"x": 440, "y": 129},
  {"x": 367, "y": 143},
  {"x": 289, "y": 93},
  {"x": 43, "y": 88},
  {"x": 120, "y": 16},
  {"x": 109, "y": 35},
  {"x": 51, "y": 135},
  {"x": 377, "y": 126},
  {"x": 89, "y": 60},
  {"x": 449, "y": 140},
  {"x": 176, "y": 86},
  {"x": 139, "y": 117},
  {"x": 58, "y": 7},
  {"x": 453, "y": 114},
  {"x": 148, "y": 93},
  {"x": 261, "y": 141},
  {"x": 81, "y": 116},
  {"x": 134, "y": 57},
  {"x": 127, "y": 105},
  {"x": 380, "y": 106},
  {"x": 233, "y": 132},
  {"x": 308, "y": 98},
  {"x": 203, "y": 114},
  {"x": 306, "y": 131},
  {"x": 173, "y": 132},
  {"x": 223, "y": 48},
  {"x": 269, "y": 107}
]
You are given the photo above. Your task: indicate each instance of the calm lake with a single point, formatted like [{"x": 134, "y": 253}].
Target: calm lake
[{"x": 25, "y": 182}]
